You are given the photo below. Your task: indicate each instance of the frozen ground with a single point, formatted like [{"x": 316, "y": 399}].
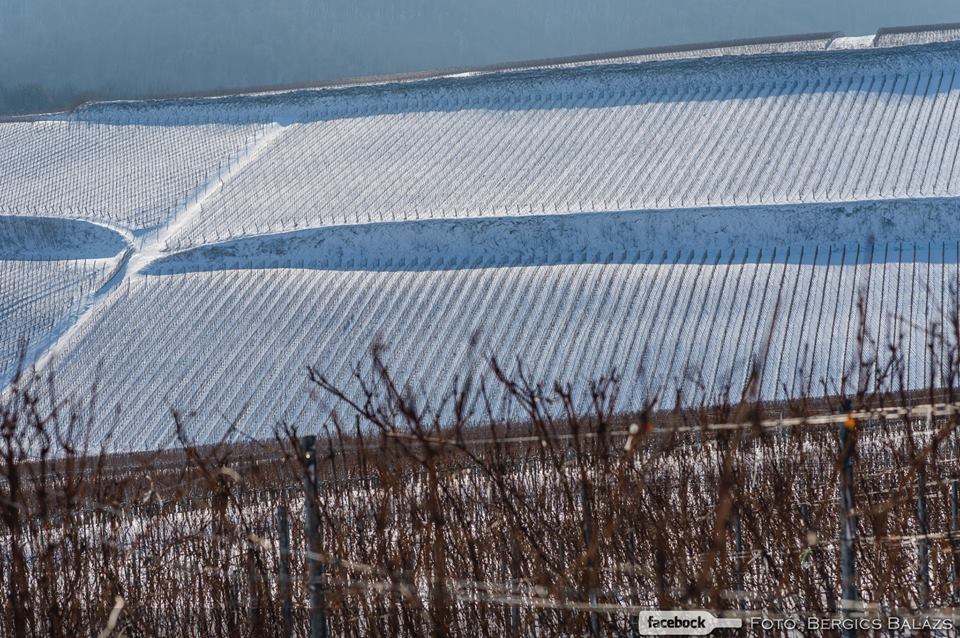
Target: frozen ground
[
  {"x": 50, "y": 269},
  {"x": 235, "y": 345},
  {"x": 129, "y": 175},
  {"x": 824, "y": 133},
  {"x": 38, "y": 299},
  {"x": 674, "y": 220}
]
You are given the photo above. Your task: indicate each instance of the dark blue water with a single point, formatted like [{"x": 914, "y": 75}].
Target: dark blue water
[{"x": 54, "y": 52}]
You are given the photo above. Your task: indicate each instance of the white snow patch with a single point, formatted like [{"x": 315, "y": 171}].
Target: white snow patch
[{"x": 852, "y": 42}]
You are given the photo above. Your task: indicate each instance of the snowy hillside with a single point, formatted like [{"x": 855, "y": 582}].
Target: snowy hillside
[
  {"x": 676, "y": 220},
  {"x": 236, "y": 344},
  {"x": 849, "y": 137},
  {"x": 125, "y": 174}
]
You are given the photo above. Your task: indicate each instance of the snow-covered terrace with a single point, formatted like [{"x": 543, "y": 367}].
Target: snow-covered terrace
[{"x": 673, "y": 215}]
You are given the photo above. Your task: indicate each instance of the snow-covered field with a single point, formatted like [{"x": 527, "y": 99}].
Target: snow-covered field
[
  {"x": 674, "y": 220},
  {"x": 50, "y": 269},
  {"x": 872, "y": 135},
  {"x": 125, "y": 174},
  {"x": 236, "y": 344},
  {"x": 38, "y": 297}
]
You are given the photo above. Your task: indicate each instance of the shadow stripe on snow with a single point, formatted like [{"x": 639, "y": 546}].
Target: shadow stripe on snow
[
  {"x": 444, "y": 244},
  {"x": 27, "y": 238}
]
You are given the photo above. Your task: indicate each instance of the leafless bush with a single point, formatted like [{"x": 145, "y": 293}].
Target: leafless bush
[{"x": 563, "y": 523}]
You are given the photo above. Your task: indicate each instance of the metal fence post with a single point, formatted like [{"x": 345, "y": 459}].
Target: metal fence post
[
  {"x": 954, "y": 530},
  {"x": 738, "y": 546},
  {"x": 235, "y": 615},
  {"x": 817, "y": 553},
  {"x": 923, "y": 545},
  {"x": 283, "y": 584},
  {"x": 848, "y": 522},
  {"x": 587, "y": 505},
  {"x": 923, "y": 526},
  {"x": 255, "y": 622},
  {"x": 515, "y": 584},
  {"x": 315, "y": 570}
]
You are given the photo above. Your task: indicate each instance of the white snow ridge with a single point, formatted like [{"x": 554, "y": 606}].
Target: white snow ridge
[{"x": 676, "y": 217}]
